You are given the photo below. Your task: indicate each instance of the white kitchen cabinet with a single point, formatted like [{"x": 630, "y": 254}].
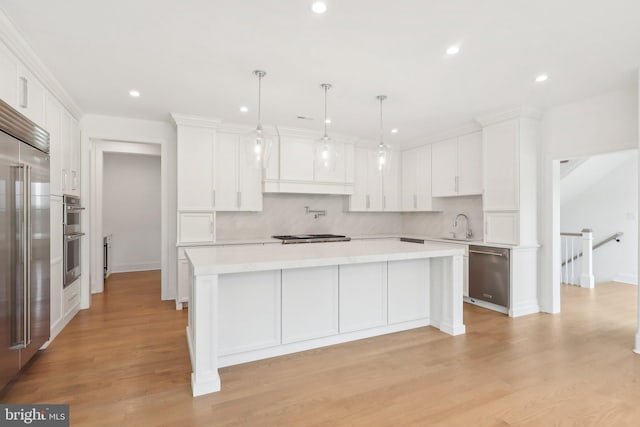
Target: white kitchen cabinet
[
  {"x": 309, "y": 303},
  {"x": 510, "y": 179},
  {"x": 71, "y": 298},
  {"x": 31, "y": 96},
  {"x": 249, "y": 311},
  {"x": 408, "y": 288},
  {"x": 53, "y": 114},
  {"x": 501, "y": 171},
  {"x": 363, "y": 296},
  {"x": 293, "y": 166},
  {"x": 457, "y": 166},
  {"x": 502, "y": 227},
  {"x": 375, "y": 191},
  {"x": 416, "y": 180},
  {"x": 183, "y": 289},
  {"x": 195, "y": 158},
  {"x": 56, "y": 248},
  {"x": 66, "y": 130},
  {"x": 8, "y": 76},
  {"x": 196, "y": 227},
  {"x": 74, "y": 160},
  {"x": 237, "y": 185}
]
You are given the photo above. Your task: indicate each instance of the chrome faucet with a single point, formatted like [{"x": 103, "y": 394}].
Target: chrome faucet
[{"x": 469, "y": 233}]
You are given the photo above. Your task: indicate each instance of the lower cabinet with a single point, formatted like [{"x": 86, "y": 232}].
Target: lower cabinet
[
  {"x": 309, "y": 303},
  {"x": 502, "y": 227},
  {"x": 249, "y": 311},
  {"x": 71, "y": 298},
  {"x": 408, "y": 283},
  {"x": 363, "y": 296}
]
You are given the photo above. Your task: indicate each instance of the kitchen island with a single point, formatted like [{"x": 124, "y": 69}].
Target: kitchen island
[{"x": 254, "y": 302}]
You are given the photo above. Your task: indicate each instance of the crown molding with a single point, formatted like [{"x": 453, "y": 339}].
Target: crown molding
[
  {"x": 453, "y": 132},
  {"x": 196, "y": 121},
  {"x": 17, "y": 44},
  {"x": 513, "y": 113}
]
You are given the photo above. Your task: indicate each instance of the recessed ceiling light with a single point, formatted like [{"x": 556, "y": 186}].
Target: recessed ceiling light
[
  {"x": 244, "y": 109},
  {"x": 327, "y": 121},
  {"x": 134, "y": 93},
  {"x": 394, "y": 130},
  {"x": 542, "y": 78},
  {"x": 319, "y": 7},
  {"x": 452, "y": 50}
]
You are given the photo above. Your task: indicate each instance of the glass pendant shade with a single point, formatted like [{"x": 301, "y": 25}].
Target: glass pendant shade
[
  {"x": 383, "y": 153},
  {"x": 326, "y": 155},
  {"x": 258, "y": 146},
  {"x": 257, "y": 143}
]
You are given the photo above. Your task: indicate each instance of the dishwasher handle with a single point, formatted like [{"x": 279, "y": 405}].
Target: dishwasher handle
[{"x": 486, "y": 253}]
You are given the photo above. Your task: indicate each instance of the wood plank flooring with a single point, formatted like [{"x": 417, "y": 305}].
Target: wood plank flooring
[{"x": 125, "y": 362}]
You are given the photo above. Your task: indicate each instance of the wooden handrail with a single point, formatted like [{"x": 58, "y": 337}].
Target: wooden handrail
[{"x": 615, "y": 236}]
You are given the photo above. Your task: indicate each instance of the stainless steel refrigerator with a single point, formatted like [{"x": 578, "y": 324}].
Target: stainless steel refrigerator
[{"x": 24, "y": 241}]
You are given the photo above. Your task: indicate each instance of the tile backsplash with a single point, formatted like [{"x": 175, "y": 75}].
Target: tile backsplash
[
  {"x": 286, "y": 214},
  {"x": 440, "y": 224}
]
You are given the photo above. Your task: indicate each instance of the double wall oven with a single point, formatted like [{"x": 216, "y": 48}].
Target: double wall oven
[{"x": 72, "y": 238}]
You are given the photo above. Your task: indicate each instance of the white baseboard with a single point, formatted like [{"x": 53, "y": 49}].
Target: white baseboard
[
  {"x": 626, "y": 278},
  {"x": 126, "y": 268}
]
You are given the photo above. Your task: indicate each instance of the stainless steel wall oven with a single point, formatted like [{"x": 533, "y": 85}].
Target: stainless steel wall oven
[{"x": 72, "y": 238}]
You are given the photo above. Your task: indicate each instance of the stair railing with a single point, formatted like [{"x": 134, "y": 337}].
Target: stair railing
[{"x": 577, "y": 256}]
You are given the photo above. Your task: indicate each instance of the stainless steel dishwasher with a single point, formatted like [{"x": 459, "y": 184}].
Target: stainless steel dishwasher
[{"x": 489, "y": 274}]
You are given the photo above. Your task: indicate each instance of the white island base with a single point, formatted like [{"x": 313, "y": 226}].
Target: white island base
[{"x": 251, "y": 303}]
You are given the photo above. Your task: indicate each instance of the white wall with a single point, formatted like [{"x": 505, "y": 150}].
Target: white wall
[
  {"x": 607, "y": 207},
  {"x": 601, "y": 124},
  {"x": 131, "y": 210},
  {"x": 285, "y": 214}
]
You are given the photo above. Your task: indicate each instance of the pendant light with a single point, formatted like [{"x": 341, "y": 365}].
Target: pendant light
[
  {"x": 326, "y": 155},
  {"x": 258, "y": 144},
  {"x": 383, "y": 152}
]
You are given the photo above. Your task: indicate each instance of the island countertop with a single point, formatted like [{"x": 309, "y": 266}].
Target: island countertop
[{"x": 240, "y": 259}]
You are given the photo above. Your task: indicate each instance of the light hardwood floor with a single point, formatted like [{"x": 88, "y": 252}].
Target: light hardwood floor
[{"x": 125, "y": 362}]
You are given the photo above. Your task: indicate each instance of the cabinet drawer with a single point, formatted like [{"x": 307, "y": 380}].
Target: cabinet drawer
[{"x": 71, "y": 296}]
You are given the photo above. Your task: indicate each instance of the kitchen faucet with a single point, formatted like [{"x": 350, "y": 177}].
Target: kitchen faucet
[{"x": 469, "y": 233}]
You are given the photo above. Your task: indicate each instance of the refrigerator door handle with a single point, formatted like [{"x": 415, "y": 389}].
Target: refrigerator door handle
[{"x": 27, "y": 263}]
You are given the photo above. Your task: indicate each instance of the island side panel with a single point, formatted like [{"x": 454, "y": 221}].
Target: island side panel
[
  {"x": 203, "y": 334},
  {"x": 446, "y": 294}
]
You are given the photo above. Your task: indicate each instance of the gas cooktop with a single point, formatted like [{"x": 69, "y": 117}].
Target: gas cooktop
[{"x": 312, "y": 238}]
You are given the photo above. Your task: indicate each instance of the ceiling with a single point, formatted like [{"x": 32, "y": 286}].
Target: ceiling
[{"x": 196, "y": 57}]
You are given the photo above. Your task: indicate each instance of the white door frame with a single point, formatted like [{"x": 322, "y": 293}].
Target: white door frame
[{"x": 99, "y": 148}]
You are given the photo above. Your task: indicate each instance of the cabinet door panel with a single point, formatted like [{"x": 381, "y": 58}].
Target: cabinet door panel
[
  {"x": 363, "y": 296},
  {"x": 409, "y": 180},
  {"x": 195, "y": 168},
  {"x": 184, "y": 287},
  {"x": 297, "y": 158},
  {"x": 374, "y": 183},
  {"x": 444, "y": 168},
  {"x": 53, "y": 113},
  {"x": 502, "y": 227},
  {"x": 408, "y": 284},
  {"x": 31, "y": 96},
  {"x": 195, "y": 227},
  {"x": 309, "y": 303},
  {"x": 249, "y": 183},
  {"x": 358, "y": 200},
  {"x": 249, "y": 311},
  {"x": 423, "y": 200},
  {"x": 391, "y": 185},
  {"x": 8, "y": 77},
  {"x": 501, "y": 166},
  {"x": 226, "y": 172},
  {"x": 470, "y": 164}
]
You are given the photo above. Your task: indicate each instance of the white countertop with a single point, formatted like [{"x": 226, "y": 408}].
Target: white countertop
[{"x": 238, "y": 259}]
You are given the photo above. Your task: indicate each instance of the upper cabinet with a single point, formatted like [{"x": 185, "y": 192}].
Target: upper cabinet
[
  {"x": 8, "y": 77},
  {"x": 510, "y": 179},
  {"x": 457, "y": 166},
  {"x": 375, "y": 191},
  {"x": 294, "y": 167},
  {"x": 195, "y": 150},
  {"x": 416, "y": 180},
  {"x": 31, "y": 95}
]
